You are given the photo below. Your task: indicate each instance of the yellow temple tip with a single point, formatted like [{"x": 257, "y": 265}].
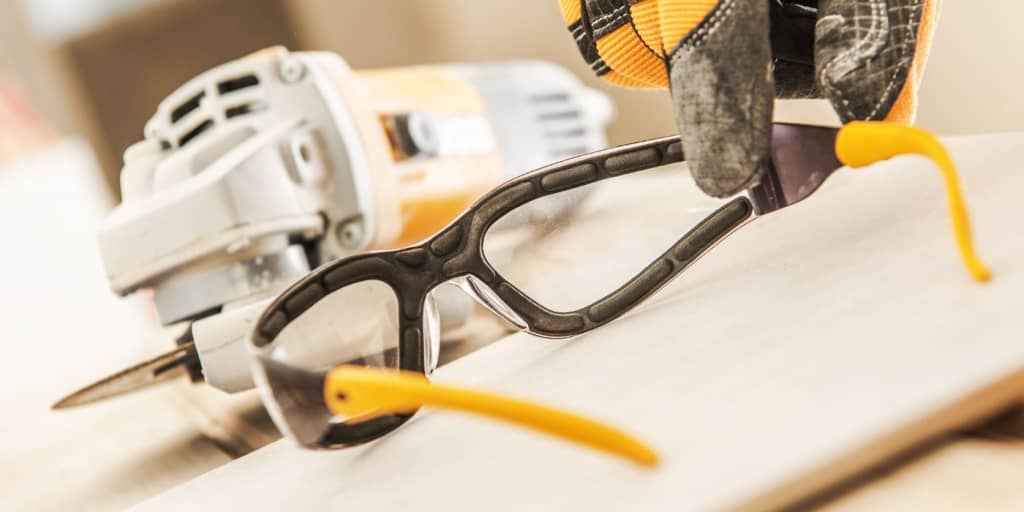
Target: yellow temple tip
[
  {"x": 862, "y": 143},
  {"x": 360, "y": 393}
]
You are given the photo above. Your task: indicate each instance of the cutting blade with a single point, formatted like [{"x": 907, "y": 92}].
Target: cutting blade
[{"x": 164, "y": 367}]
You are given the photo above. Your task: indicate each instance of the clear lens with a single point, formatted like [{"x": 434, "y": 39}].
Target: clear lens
[
  {"x": 431, "y": 332},
  {"x": 356, "y": 324},
  {"x": 570, "y": 249}
]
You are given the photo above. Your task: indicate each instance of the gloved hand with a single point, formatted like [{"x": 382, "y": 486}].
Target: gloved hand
[{"x": 726, "y": 61}]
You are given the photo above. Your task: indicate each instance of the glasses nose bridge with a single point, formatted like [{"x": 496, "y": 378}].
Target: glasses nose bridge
[{"x": 485, "y": 296}]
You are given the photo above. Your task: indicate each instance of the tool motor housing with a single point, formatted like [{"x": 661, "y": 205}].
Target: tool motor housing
[{"x": 258, "y": 170}]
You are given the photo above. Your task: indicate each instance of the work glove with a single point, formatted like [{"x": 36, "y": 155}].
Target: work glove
[{"x": 725, "y": 62}]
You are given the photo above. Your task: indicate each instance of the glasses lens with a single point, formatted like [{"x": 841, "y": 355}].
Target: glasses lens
[
  {"x": 356, "y": 324},
  {"x": 568, "y": 250}
]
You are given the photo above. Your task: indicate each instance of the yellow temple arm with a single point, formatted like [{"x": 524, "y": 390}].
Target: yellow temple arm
[
  {"x": 361, "y": 393},
  {"x": 863, "y": 143}
]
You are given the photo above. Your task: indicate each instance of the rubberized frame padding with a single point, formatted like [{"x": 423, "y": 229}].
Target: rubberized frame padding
[{"x": 457, "y": 251}]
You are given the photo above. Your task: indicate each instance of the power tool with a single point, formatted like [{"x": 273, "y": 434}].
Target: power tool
[{"x": 259, "y": 170}]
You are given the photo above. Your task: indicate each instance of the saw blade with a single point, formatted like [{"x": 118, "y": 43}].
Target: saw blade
[{"x": 164, "y": 367}]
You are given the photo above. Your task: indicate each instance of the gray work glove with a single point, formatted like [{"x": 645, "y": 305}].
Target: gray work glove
[{"x": 726, "y": 61}]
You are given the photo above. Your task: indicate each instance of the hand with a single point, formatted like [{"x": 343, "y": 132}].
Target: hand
[{"x": 726, "y": 61}]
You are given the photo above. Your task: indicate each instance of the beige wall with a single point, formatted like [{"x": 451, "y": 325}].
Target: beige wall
[
  {"x": 24, "y": 58},
  {"x": 975, "y": 81},
  {"x": 398, "y": 32},
  {"x": 973, "y": 84}
]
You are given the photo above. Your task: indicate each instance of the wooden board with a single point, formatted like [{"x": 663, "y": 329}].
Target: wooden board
[
  {"x": 811, "y": 345},
  {"x": 969, "y": 474},
  {"x": 64, "y": 328}
]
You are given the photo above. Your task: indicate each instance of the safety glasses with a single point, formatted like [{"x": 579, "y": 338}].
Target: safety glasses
[{"x": 557, "y": 252}]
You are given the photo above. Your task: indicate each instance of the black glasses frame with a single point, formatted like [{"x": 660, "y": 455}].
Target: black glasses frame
[{"x": 457, "y": 251}]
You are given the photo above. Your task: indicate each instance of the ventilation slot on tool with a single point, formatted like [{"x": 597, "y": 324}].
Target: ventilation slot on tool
[
  {"x": 247, "y": 108},
  {"x": 182, "y": 110},
  {"x": 562, "y": 152},
  {"x": 553, "y": 106},
  {"x": 550, "y": 97},
  {"x": 193, "y": 133},
  {"x": 559, "y": 115},
  {"x": 565, "y": 131},
  {"x": 235, "y": 84},
  {"x": 578, "y": 131}
]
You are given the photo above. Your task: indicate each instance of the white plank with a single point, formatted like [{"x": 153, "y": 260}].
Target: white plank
[
  {"x": 810, "y": 345},
  {"x": 62, "y": 328},
  {"x": 969, "y": 474}
]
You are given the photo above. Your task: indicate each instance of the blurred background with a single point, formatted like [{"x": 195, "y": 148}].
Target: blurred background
[
  {"x": 79, "y": 80},
  {"x": 98, "y": 69}
]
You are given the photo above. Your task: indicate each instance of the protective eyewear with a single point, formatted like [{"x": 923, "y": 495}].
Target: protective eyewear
[{"x": 556, "y": 252}]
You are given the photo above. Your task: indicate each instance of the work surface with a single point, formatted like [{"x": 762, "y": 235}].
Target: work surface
[
  {"x": 65, "y": 328},
  {"x": 812, "y": 344}
]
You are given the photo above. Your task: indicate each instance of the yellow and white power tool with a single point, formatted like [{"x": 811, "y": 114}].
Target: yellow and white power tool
[{"x": 261, "y": 169}]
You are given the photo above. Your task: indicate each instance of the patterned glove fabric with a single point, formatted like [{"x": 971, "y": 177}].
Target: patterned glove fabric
[{"x": 725, "y": 62}]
